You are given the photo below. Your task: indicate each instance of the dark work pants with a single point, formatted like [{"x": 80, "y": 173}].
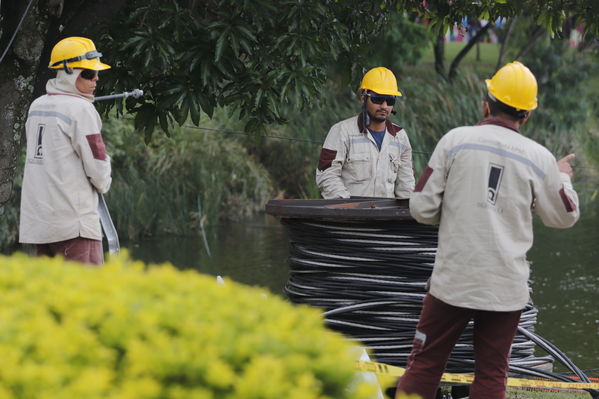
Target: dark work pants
[
  {"x": 439, "y": 329},
  {"x": 78, "y": 249}
]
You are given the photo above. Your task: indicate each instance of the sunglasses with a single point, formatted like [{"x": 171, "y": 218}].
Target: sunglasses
[
  {"x": 377, "y": 99},
  {"x": 88, "y": 74}
]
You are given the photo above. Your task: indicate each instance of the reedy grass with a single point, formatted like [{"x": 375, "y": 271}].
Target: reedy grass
[
  {"x": 428, "y": 109},
  {"x": 156, "y": 187},
  {"x": 433, "y": 106},
  {"x": 293, "y": 163}
]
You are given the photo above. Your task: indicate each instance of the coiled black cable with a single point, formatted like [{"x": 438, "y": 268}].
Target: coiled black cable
[{"x": 370, "y": 277}]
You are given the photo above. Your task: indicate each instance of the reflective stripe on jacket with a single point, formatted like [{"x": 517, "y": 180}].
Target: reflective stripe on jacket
[
  {"x": 482, "y": 185},
  {"x": 351, "y": 164},
  {"x": 65, "y": 168}
]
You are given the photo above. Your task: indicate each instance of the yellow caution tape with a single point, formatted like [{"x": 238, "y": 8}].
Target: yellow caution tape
[{"x": 394, "y": 371}]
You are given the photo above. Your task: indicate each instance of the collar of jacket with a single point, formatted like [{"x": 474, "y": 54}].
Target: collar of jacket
[
  {"x": 392, "y": 128},
  {"x": 64, "y": 84},
  {"x": 498, "y": 121}
]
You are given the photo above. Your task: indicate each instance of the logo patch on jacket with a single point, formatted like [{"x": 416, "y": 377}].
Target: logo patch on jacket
[
  {"x": 39, "y": 151},
  {"x": 495, "y": 175}
]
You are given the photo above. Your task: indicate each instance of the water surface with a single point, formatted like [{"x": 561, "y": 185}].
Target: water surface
[{"x": 565, "y": 272}]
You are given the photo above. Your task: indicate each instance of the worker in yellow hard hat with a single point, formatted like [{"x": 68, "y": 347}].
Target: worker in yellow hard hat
[
  {"x": 482, "y": 185},
  {"x": 66, "y": 165},
  {"x": 368, "y": 155}
]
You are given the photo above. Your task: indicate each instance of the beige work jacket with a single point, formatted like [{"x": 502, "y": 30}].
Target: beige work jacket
[
  {"x": 482, "y": 185},
  {"x": 351, "y": 164},
  {"x": 66, "y": 166}
]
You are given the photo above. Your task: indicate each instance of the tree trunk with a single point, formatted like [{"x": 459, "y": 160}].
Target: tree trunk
[
  {"x": 458, "y": 58},
  {"x": 536, "y": 36},
  {"x": 24, "y": 72},
  {"x": 439, "y": 51},
  {"x": 506, "y": 39},
  {"x": 17, "y": 79}
]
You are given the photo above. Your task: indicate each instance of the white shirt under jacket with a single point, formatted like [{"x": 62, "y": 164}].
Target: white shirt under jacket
[
  {"x": 351, "y": 164},
  {"x": 66, "y": 166},
  {"x": 482, "y": 185}
]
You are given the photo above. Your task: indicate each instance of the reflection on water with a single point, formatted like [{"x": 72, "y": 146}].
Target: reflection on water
[
  {"x": 252, "y": 252},
  {"x": 565, "y": 272}
]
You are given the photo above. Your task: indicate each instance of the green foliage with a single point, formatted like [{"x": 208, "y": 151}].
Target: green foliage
[
  {"x": 566, "y": 119},
  {"x": 564, "y": 97},
  {"x": 9, "y": 221},
  {"x": 403, "y": 43},
  {"x": 548, "y": 13},
  {"x": 190, "y": 57},
  {"x": 128, "y": 331},
  {"x": 589, "y": 139},
  {"x": 431, "y": 107},
  {"x": 264, "y": 58},
  {"x": 156, "y": 187},
  {"x": 292, "y": 163}
]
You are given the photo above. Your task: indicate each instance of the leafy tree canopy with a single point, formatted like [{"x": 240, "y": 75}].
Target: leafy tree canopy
[
  {"x": 257, "y": 55},
  {"x": 263, "y": 57},
  {"x": 549, "y": 13}
]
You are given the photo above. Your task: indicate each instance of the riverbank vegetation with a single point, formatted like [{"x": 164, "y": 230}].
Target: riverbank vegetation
[
  {"x": 176, "y": 183},
  {"x": 173, "y": 183},
  {"x": 196, "y": 175}
]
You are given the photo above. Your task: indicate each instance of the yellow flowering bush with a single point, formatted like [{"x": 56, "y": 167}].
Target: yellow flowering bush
[{"x": 128, "y": 331}]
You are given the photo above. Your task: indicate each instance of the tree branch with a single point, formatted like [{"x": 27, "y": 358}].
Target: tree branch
[
  {"x": 538, "y": 33},
  {"x": 439, "y": 50},
  {"x": 458, "y": 58},
  {"x": 508, "y": 33}
]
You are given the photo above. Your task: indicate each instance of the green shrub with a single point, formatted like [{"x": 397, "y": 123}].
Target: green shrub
[
  {"x": 405, "y": 43},
  {"x": 565, "y": 97},
  {"x": 156, "y": 187},
  {"x": 126, "y": 331}
]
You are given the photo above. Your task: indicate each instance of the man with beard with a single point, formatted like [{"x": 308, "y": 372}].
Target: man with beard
[{"x": 368, "y": 155}]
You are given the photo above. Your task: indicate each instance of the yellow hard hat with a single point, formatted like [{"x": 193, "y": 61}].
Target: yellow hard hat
[
  {"x": 381, "y": 81},
  {"x": 514, "y": 85},
  {"x": 76, "y": 52}
]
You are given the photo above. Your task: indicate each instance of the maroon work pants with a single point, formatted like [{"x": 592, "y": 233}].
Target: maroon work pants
[
  {"x": 78, "y": 249},
  {"x": 438, "y": 330}
]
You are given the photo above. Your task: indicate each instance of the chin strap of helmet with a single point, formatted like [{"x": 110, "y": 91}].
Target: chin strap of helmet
[{"x": 66, "y": 68}]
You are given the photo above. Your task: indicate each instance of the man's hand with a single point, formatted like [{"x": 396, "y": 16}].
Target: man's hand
[{"x": 564, "y": 165}]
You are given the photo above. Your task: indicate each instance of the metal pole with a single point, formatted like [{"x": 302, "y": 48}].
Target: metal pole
[
  {"x": 108, "y": 227},
  {"x": 105, "y": 219},
  {"x": 135, "y": 94}
]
